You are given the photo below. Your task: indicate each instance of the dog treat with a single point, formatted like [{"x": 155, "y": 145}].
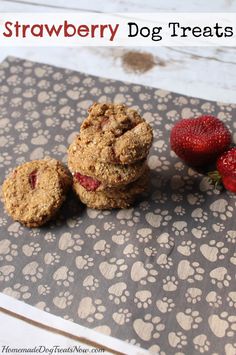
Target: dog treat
[
  {"x": 116, "y": 134},
  {"x": 102, "y": 175},
  {"x": 122, "y": 197},
  {"x": 34, "y": 191}
]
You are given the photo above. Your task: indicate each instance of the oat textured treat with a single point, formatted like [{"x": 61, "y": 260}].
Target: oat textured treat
[
  {"x": 34, "y": 191},
  {"x": 81, "y": 162},
  {"x": 110, "y": 198},
  {"x": 108, "y": 158},
  {"x": 114, "y": 133}
]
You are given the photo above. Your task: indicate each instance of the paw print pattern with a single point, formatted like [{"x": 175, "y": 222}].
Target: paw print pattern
[
  {"x": 92, "y": 231},
  {"x": 181, "y": 184},
  {"x": 68, "y": 125},
  {"x": 122, "y": 316},
  {"x": 165, "y": 305},
  {"x": 149, "y": 327},
  {"x": 158, "y": 163},
  {"x": 193, "y": 295},
  {"x": 18, "y": 291},
  {"x": 177, "y": 197},
  {"x": 199, "y": 215},
  {"x": 170, "y": 283},
  {"x": 159, "y": 197},
  {"x": 32, "y": 271},
  {"x": 150, "y": 251},
  {"x": 91, "y": 283},
  {"x": 51, "y": 258},
  {"x": 213, "y": 299},
  {"x": 43, "y": 290},
  {"x": 76, "y": 93},
  {"x": 144, "y": 205},
  {"x": 201, "y": 343},
  {"x": 31, "y": 249},
  {"x": 179, "y": 166},
  {"x": 179, "y": 211},
  {"x": 160, "y": 146},
  {"x": 200, "y": 232},
  {"x": 112, "y": 268},
  {"x": 165, "y": 240},
  {"x": 102, "y": 247},
  {"x": 5, "y": 159},
  {"x": 46, "y": 97},
  {"x": 162, "y": 96},
  {"x": 231, "y": 299},
  {"x": 190, "y": 271},
  {"x": 70, "y": 242},
  {"x": 195, "y": 199},
  {"x": 221, "y": 209},
  {"x": 128, "y": 217},
  {"x": 8, "y": 250},
  {"x": 109, "y": 226},
  {"x": 177, "y": 340},
  {"x": 186, "y": 248},
  {"x": 121, "y": 237},
  {"x": 3, "y": 221},
  {"x": 50, "y": 237},
  {"x": 34, "y": 232},
  {"x": 84, "y": 262},
  {"x": 40, "y": 137},
  {"x": 220, "y": 277},
  {"x": 63, "y": 276},
  {"x": 188, "y": 319},
  {"x": 90, "y": 309},
  {"x": 164, "y": 261},
  {"x": 144, "y": 235},
  {"x": 179, "y": 228},
  {"x": 230, "y": 348},
  {"x": 233, "y": 259},
  {"x": 74, "y": 222},
  {"x": 118, "y": 292},
  {"x": 143, "y": 298},
  {"x": 42, "y": 305},
  {"x": 222, "y": 325},
  {"x": 214, "y": 250},
  {"x": 179, "y": 240},
  {"x": 158, "y": 218},
  {"x": 63, "y": 300},
  {"x": 130, "y": 251},
  {"x": 143, "y": 273},
  {"x": 231, "y": 236}
]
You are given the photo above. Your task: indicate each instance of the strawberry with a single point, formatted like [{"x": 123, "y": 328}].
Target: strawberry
[
  {"x": 33, "y": 179},
  {"x": 199, "y": 141},
  {"x": 226, "y": 166},
  {"x": 89, "y": 183}
]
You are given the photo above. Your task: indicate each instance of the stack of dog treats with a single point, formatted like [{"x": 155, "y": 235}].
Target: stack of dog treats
[{"x": 108, "y": 157}]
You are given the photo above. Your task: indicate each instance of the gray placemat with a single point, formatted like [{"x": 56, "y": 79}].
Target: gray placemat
[{"x": 161, "y": 274}]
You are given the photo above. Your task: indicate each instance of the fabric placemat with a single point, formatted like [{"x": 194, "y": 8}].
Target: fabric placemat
[{"x": 160, "y": 274}]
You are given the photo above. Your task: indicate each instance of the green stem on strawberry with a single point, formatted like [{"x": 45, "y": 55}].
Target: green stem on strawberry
[{"x": 215, "y": 178}]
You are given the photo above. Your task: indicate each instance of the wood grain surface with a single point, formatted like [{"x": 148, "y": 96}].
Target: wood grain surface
[{"x": 205, "y": 72}]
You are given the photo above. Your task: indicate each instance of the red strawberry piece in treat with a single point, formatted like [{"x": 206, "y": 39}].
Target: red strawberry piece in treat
[
  {"x": 226, "y": 167},
  {"x": 89, "y": 183},
  {"x": 33, "y": 179},
  {"x": 199, "y": 141}
]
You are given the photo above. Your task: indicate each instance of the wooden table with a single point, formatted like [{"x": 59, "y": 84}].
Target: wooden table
[{"x": 205, "y": 72}]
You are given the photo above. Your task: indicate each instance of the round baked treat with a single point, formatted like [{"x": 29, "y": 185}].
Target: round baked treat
[
  {"x": 116, "y": 134},
  {"x": 122, "y": 197},
  {"x": 63, "y": 172},
  {"x": 35, "y": 191},
  {"x": 97, "y": 175}
]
